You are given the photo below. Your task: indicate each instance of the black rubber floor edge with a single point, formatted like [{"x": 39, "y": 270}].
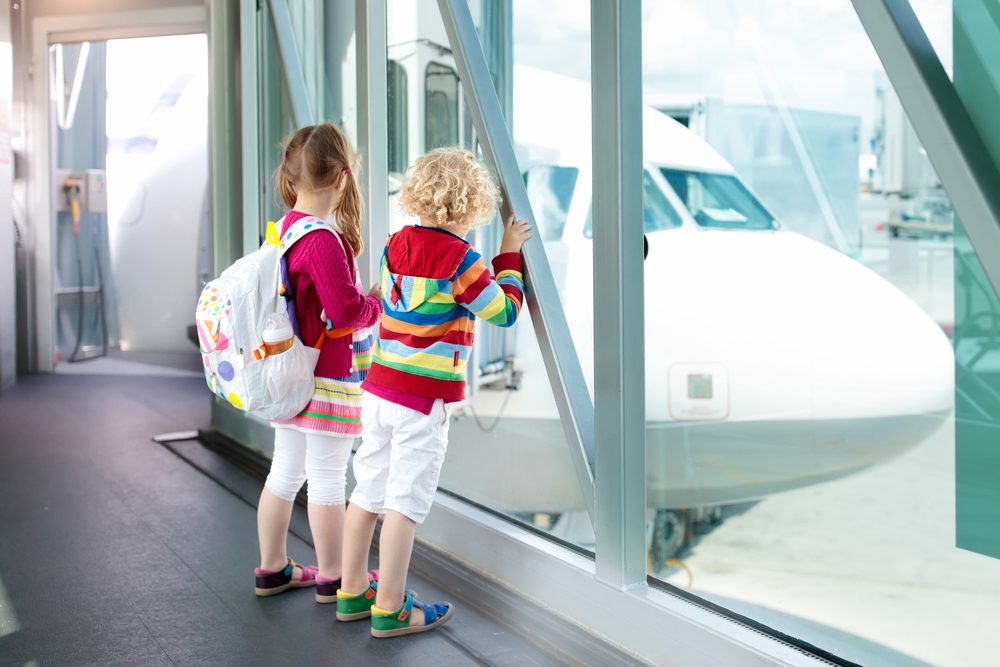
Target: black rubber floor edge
[{"x": 554, "y": 635}]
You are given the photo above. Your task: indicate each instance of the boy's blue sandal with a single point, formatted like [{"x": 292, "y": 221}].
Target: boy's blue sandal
[{"x": 396, "y": 623}]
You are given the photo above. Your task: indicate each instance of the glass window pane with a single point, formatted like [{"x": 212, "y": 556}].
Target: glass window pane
[
  {"x": 801, "y": 383},
  {"x": 507, "y": 449},
  {"x": 977, "y": 303}
]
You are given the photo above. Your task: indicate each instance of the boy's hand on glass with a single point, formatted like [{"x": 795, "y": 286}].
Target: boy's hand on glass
[
  {"x": 376, "y": 290},
  {"x": 515, "y": 233}
]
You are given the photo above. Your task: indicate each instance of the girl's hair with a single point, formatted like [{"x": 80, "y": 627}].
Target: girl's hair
[
  {"x": 314, "y": 159},
  {"x": 450, "y": 187}
]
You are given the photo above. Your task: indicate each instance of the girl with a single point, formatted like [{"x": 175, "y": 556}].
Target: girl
[
  {"x": 435, "y": 285},
  {"x": 315, "y": 180}
]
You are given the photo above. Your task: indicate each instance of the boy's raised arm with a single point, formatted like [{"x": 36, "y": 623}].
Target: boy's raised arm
[{"x": 495, "y": 300}]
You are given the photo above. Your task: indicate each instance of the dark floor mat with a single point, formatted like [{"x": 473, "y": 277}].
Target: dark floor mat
[{"x": 115, "y": 550}]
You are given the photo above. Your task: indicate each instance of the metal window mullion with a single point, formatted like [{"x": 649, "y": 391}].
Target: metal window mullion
[
  {"x": 551, "y": 329},
  {"x": 250, "y": 125},
  {"x": 225, "y": 135},
  {"x": 291, "y": 64},
  {"x": 619, "y": 374},
  {"x": 373, "y": 144},
  {"x": 941, "y": 121}
]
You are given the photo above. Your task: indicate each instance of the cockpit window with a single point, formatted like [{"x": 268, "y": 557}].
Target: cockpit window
[
  {"x": 550, "y": 190},
  {"x": 657, "y": 213},
  {"x": 718, "y": 200}
]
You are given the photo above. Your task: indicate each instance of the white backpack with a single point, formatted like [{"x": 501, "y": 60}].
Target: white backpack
[{"x": 230, "y": 318}]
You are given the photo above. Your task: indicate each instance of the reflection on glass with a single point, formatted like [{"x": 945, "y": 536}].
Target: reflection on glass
[
  {"x": 441, "y": 106},
  {"x": 977, "y": 307},
  {"x": 977, "y": 350},
  {"x": 398, "y": 131},
  {"x": 158, "y": 180},
  {"x": 550, "y": 190}
]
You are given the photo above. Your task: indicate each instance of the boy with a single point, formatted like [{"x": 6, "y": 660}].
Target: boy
[{"x": 434, "y": 285}]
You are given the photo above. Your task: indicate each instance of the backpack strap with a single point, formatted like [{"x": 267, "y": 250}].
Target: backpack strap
[{"x": 300, "y": 228}]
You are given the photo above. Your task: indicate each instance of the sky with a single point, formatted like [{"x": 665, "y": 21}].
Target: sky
[{"x": 812, "y": 54}]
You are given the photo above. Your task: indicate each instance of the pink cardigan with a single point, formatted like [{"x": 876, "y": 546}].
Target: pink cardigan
[{"x": 323, "y": 280}]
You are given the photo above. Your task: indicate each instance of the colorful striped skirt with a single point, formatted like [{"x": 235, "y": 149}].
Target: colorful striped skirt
[{"x": 335, "y": 407}]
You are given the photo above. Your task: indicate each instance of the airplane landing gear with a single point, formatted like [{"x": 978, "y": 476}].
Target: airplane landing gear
[
  {"x": 673, "y": 529},
  {"x": 670, "y": 535}
]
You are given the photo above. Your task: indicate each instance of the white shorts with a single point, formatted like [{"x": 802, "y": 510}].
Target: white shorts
[{"x": 399, "y": 461}]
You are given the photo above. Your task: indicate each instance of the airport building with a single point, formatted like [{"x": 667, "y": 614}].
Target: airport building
[{"x": 748, "y": 414}]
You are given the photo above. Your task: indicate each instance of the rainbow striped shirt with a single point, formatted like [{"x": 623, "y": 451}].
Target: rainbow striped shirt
[{"x": 434, "y": 285}]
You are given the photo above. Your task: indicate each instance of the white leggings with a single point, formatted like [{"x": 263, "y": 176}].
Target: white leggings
[{"x": 320, "y": 457}]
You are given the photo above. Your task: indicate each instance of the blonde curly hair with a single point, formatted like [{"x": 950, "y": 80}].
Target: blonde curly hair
[{"x": 449, "y": 188}]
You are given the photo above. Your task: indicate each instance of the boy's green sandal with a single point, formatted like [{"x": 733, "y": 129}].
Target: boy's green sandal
[
  {"x": 396, "y": 623},
  {"x": 354, "y": 607}
]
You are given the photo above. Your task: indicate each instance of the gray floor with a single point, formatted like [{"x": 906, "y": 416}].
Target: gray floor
[
  {"x": 113, "y": 550},
  {"x": 116, "y": 362}
]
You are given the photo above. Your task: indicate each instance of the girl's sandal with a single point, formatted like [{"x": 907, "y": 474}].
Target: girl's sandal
[
  {"x": 272, "y": 582},
  {"x": 354, "y": 607},
  {"x": 397, "y": 623}
]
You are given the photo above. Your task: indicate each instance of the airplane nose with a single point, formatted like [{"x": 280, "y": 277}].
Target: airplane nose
[
  {"x": 812, "y": 365},
  {"x": 803, "y": 332},
  {"x": 878, "y": 354}
]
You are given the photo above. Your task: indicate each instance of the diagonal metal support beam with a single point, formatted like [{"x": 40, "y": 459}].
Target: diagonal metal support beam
[
  {"x": 291, "y": 64},
  {"x": 944, "y": 126},
  {"x": 551, "y": 329}
]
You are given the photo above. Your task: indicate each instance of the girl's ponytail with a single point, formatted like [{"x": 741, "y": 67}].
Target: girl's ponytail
[
  {"x": 286, "y": 188},
  {"x": 349, "y": 212}
]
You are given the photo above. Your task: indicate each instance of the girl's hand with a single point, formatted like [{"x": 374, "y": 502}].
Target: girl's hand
[
  {"x": 515, "y": 233},
  {"x": 376, "y": 291}
]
